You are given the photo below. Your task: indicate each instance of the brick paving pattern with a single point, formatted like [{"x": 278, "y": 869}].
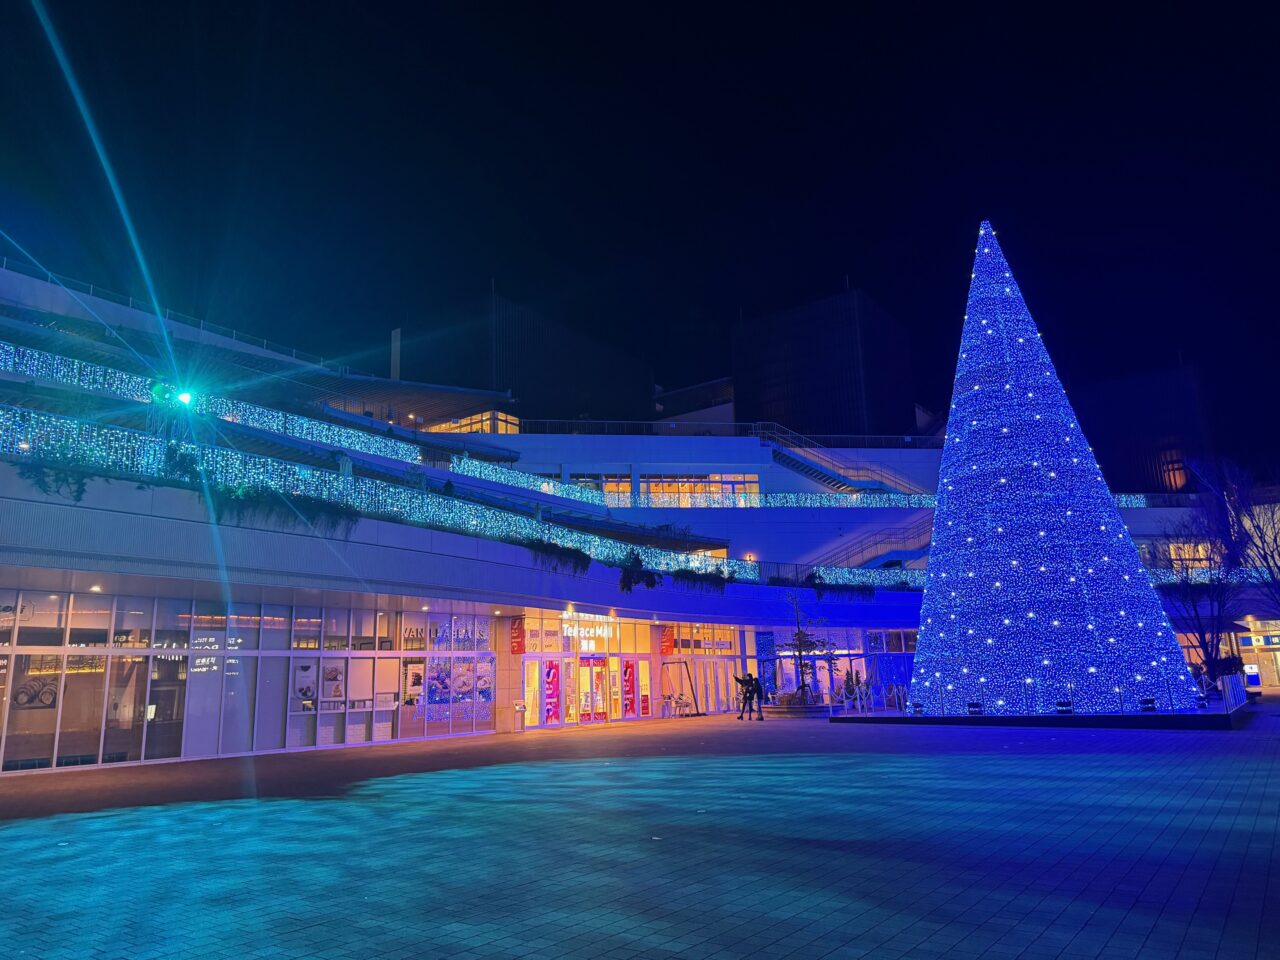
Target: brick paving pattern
[{"x": 703, "y": 839}]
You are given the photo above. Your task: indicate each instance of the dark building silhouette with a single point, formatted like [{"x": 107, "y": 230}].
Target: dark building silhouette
[
  {"x": 1145, "y": 429},
  {"x": 840, "y": 366},
  {"x": 552, "y": 371}
]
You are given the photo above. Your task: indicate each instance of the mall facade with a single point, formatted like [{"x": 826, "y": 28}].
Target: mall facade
[{"x": 219, "y": 546}]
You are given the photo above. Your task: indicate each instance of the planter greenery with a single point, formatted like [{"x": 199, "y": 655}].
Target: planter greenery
[
  {"x": 633, "y": 574},
  {"x": 256, "y": 506},
  {"x": 558, "y": 559},
  {"x": 699, "y": 580}
]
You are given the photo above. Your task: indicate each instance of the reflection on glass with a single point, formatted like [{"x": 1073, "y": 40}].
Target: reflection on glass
[
  {"x": 133, "y": 622},
  {"x": 33, "y": 711},
  {"x": 439, "y": 695},
  {"x": 337, "y": 623},
  {"x": 126, "y": 698},
  {"x": 81, "y": 726},
  {"x": 364, "y": 630},
  {"x": 173, "y": 624},
  {"x": 486, "y": 674},
  {"x": 306, "y": 628},
  {"x": 166, "y": 706},
  {"x": 8, "y": 617},
  {"x": 413, "y": 681},
  {"x": 243, "y": 624},
  {"x": 241, "y": 684},
  {"x": 464, "y": 693},
  {"x": 42, "y": 619},
  {"x": 276, "y": 622}
]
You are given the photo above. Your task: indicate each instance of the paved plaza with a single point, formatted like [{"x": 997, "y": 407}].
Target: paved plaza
[{"x": 702, "y": 838}]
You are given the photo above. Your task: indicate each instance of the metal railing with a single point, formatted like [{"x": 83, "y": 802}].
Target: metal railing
[
  {"x": 147, "y": 306},
  {"x": 692, "y": 428},
  {"x": 847, "y": 467},
  {"x": 878, "y": 542}
]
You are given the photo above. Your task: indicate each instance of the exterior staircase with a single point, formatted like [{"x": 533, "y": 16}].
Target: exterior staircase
[
  {"x": 831, "y": 469},
  {"x": 873, "y": 549}
]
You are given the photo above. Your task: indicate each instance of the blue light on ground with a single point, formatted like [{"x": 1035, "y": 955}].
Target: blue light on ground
[{"x": 1019, "y": 846}]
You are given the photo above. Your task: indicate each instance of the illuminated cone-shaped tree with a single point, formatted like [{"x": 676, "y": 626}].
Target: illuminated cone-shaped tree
[{"x": 1036, "y": 600}]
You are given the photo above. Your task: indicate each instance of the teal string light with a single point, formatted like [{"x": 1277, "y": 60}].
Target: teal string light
[
  {"x": 1036, "y": 600},
  {"x": 481, "y": 470}
]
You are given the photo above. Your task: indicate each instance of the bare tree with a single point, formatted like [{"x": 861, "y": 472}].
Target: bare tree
[
  {"x": 806, "y": 647},
  {"x": 1199, "y": 557},
  {"x": 1246, "y": 516}
]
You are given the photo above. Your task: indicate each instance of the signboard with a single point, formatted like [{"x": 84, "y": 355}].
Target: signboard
[
  {"x": 668, "y": 645},
  {"x": 517, "y": 635},
  {"x": 551, "y": 692},
  {"x": 628, "y": 688}
]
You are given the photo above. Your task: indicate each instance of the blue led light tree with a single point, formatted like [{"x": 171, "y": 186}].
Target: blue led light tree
[{"x": 1036, "y": 600}]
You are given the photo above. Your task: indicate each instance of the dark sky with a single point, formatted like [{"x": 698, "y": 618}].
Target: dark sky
[{"x": 319, "y": 173}]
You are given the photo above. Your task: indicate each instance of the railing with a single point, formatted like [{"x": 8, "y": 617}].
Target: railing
[
  {"x": 856, "y": 470},
  {"x": 147, "y": 306},
  {"x": 878, "y": 542},
  {"x": 693, "y": 428}
]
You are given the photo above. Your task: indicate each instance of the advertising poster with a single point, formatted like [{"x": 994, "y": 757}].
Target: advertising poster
[
  {"x": 668, "y": 646},
  {"x": 644, "y": 688},
  {"x": 517, "y": 635},
  {"x": 304, "y": 681},
  {"x": 415, "y": 675},
  {"x": 629, "y": 688},
  {"x": 333, "y": 686},
  {"x": 551, "y": 692}
]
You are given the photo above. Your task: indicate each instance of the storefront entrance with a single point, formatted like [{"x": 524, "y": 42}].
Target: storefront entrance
[{"x": 588, "y": 689}]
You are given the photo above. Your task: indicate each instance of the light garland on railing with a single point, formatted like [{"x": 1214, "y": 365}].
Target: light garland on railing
[
  {"x": 39, "y": 436},
  {"x": 880, "y": 501},
  {"x": 77, "y": 373},
  {"x": 304, "y": 428},
  {"x": 524, "y": 481}
]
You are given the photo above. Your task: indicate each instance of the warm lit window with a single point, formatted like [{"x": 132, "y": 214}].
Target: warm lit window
[
  {"x": 491, "y": 421},
  {"x": 712, "y": 490},
  {"x": 1189, "y": 556}
]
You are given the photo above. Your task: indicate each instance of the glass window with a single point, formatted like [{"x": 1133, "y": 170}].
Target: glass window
[
  {"x": 4, "y": 690},
  {"x": 360, "y": 700},
  {"x": 243, "y": 624},
  {"x": 464, "y": 632},
  {"x": 413, "y": 630},
  {"x": 173, "y": 625},
  {"x": 240, "y": 687},
  {"x": 304, "y": 694},
  {"x": 337, "y": 626},
  {"x": 8, "y": 618},
  {"x": 273, "y": 695},
  {"x": 413, "y": 675},
  {"x": 90, "y": 620},
  {"x": 486, "y": 680},
  {"x": 33, "y": 711},
  {"x": 166, "y": 705},
  {"x": 204, "y": 704},
  {"x": 439, "y": 695},
  {"x": 333, "y": 685},
  {"x": 441, "y": 632},
  {"x": 81, "y": 726},
  {"x": 42, "y": 619},
  {"x": 209, "y": 622},
  {"x": 386, "y": 698},
  {"x": 306, "y": 628},
  {"x": 364, "y": 630},
  {"x": 276, "y": 621},
  {"x": 133, "y": 622},
  {"x": 464, "y": 691},
  {"x": 126, "y": 702},
  {"x": 483, "y": 627}
]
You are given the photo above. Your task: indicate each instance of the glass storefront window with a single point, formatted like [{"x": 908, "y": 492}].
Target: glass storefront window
[
  {"x": 464, "y": 632},
  {"x": 209, "y": 625},
  {"x": 173, "y": 624},
  {"x": 126, "y": 705},
  {"x": 33, "y": 711},
  {"x": 42, "y": 619},
  {"x": 277, "y": 621},
  {"x": 441, "y": 632},
  {"x": 414, "y": 625},
  {"x": 133, "y": 622},
  {"x": 243, "y": 624},
  {"x": 8, "y": 617},
  {"x": 166, "y": 706},
  {"x": 364, "y": 630},
  {"x": 386, "y": 698},
  {"x": 204, "y": 700},
  {"x": 413, "y": 678},
  {"x": 439, "y": 695},
  {"x": 90, "y": 620},
  {"x": 483, "y": 627},
  {"x": 337, "y": 625},
  {"x": 306, "y": 628},
  {"x": 360, "y": 700},
  {"x": 273, "y": 697},
  {"x": 239, "y": 690},
  {"x": 80, "y": 730},
  {"x": 4, "y": 690},
  {"x": 464, "y": 691}
]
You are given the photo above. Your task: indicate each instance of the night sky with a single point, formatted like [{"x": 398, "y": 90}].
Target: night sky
[{"x": 320, "y": 173}]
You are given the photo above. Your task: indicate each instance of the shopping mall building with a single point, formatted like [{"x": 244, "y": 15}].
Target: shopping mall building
[{"x": 218, "y": 546}]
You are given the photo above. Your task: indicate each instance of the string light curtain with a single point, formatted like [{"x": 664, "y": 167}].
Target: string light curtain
[{"x": 1036, "y": 600}]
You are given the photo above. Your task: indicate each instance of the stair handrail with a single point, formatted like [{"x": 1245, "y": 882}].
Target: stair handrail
[
  {"x": 803, "y": 446},
  {"x": 858, "y": 552}
]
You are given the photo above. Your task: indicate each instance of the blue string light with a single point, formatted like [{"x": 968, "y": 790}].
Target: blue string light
[
  {"x": 482, "y": 470},
  {"x": 1036, "y": 600}
]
